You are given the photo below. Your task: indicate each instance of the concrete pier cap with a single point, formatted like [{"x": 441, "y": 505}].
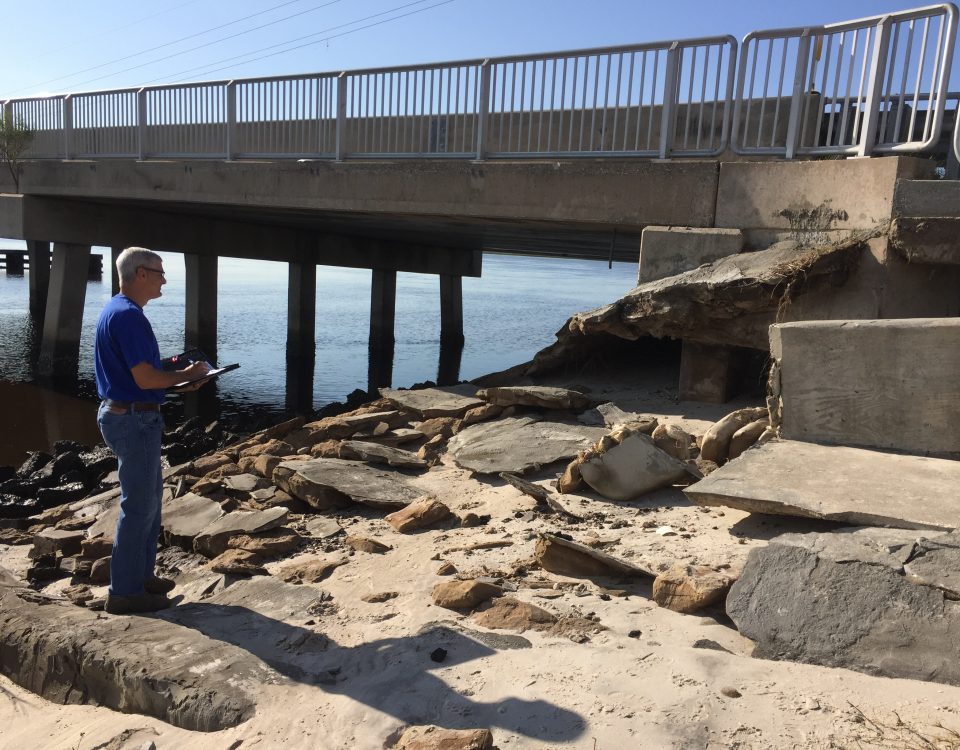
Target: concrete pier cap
[{"x": 887, "y": 384}]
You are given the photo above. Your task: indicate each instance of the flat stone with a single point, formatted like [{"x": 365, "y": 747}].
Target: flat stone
[
  {"x": 267, "y": 596},
  {"x": 631, "y": 469},
  {"x": 518, "y": 444},
  {"x": 540, "y": 396},
  {"x": 436, "y": 738},
  {"x": 326, "y": 483},
  {"x": 690, "y": 588},
  {"x": 186, "y": 516},
  {"x": 375, "y": 453},
  {"x": 512, "y": 614},
  {"x": 799, "y": 605},
  {"x": 379, "y": 597},
  {"x": 448, "y": 401},
  {"x": 322, "y": 527},
  {"x": 270, "y": 543},
  {"x": 463, "y": 594},
  {"x": 265, "y": 463},
  {"x": 836, "y": 483},
  {"x": 418, "y": 515},
  {"x": 51, "y": 541},
  {"x": 244, "y": 482},
  {"x": 238, "y": 562},
  {"x": 213, "y": 539},
  {"x": 569, "y": 558},
  {"x": 363, "y": 544},
  {"x": 145, "y": 665},
  {"x": 309, "y": 569}
]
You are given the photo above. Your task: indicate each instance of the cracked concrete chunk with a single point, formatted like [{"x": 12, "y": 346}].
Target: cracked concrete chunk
[
  {"x": 448, "y": 401},
  {"x": 786, "y": 477},
  {"x": 632, "y": 468},
  {"x": 518, "y": 444},
  {"x": 327, "y": 483}
]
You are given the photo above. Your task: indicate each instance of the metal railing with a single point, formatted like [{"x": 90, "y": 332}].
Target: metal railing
[
  {"x": 873, "y": 85},
  {"x": 870, "y": 86}
]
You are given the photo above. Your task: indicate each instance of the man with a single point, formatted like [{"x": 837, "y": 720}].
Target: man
[{"x": 131, "y": 384}]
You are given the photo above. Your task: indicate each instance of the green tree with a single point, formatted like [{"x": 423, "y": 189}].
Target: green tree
[{"x": 15, "y": 139}]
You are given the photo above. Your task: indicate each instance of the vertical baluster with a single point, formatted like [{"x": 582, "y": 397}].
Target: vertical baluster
[
  {"x": 841, "y": 53},
  {"x": 887, "y": 95},
  {"x": 690, "y": 76},
  {"x": 653, "y": 97},
  {"x": 573, "y": 101},
  {"x": 934, "y": 86},
  {"x": 583, "y": 101},
  {"x": 703, "y": 95},
  {"x": 616, "y": 102},
  {"x": 629, "y": 99},
  {"x": 903, "y": 80},
  {"x": 596, "y": 100}
]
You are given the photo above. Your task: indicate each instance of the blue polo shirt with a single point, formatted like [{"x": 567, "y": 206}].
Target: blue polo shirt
[{"x": 124, "y": 339}]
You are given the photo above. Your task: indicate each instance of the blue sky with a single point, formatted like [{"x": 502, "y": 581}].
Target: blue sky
[{"x": 58, "y": 46}]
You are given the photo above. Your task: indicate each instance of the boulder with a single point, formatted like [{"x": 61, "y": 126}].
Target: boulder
[
  {"x": 213, "y": 539},
  {"x": 690, "y": 588},
  {"x": 52, "y": 541},
  {"x": 374, "y": 453},
  {"x": 480, "y": 414},
  {"x": 518, "y": 444},
  {"x": 819, "y": 604},
  {"x": 326, "y": 449},
  {"x": 632, "y": 468},
  {"x": 207, "y": 464},
  {"x": 265, "y": 463},
  {"x": 94, "y": 549},
  {"x": 448, "y": 401},
  {"x": 570, "y": 558},
  {"x": 463, "y": 594},
  {"x": 273, "y": 447},
  {"x": 437, "y": 738},
  {"x": 507, "y": 613},
  {"x": 442, "y": 426},
  {"x": 539, "y": 396},
  {"x": 326, "y": 483},
  {"x": 418, "y": 515}
]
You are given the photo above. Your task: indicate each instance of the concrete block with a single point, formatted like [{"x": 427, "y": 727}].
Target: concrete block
[
  {"x": 889, "y": 384},
  {"x": 927, "y": 198},
  {"x": 931, "y": 241},
  {"x": 706, "y": 372},
  {"x": 667, "y": 251}
]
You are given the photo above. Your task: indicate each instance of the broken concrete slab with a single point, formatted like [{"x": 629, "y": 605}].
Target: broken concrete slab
[
  {"x": 186, "y": 516},
  {"x": 326, "y": 483},
  {"x": 800, "y": 605},
  {"x": 540, "y": 396},
  {"x": 632, "y": 468},
  {"x": 376, "y": 453},
  {"x": 667, "y": 251},
  {"x": 518, "y": 444},
  {"x": 836, "y": 483},
  {"x": 447, "y": 401},
  {"x": 213, "y": 539},
  {"x": 569, "y": 558},
  {"x": 67, "y": 654}
]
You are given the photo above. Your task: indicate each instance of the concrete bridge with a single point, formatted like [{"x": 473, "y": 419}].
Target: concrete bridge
[{"x": 422, "y": 169}]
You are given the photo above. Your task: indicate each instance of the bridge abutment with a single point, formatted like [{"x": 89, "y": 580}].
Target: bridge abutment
[
  {"x": 38, "y": 253},
  {"x": 60, "y": 344}
]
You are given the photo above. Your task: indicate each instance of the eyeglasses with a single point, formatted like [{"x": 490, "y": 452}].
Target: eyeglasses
[{"x": 155, "y": 270}]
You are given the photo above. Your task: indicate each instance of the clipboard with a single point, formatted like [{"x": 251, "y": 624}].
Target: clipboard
[{"x": 187, "y": 358}]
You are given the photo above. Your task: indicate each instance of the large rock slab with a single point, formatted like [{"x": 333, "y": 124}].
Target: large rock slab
[
  {"x": 186, "y": 516},
  {"x": 213, "y": 539},
  {"x": 67, "y": 654},
  {"x": 803, "y": 605},
  {"x": 326, "y": 483},
  {"x": 448, "y": 401},
  {"x": 632, "y": 468},
  {"x": 569, "y": 558},
  {"x": 376, "y": 453},
  {"x": 518, "y": 444},
  {"x": 837, "y": 483},
  {"x": 541, "y": 396}
]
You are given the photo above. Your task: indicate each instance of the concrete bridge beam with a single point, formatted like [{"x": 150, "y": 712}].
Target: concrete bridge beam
[
  {"x": 451, "y": 310},
  {"x": 64, "y": 314},
  {"x": 200, "y": 325},
  {"x": 38, "y": 253},
  {"x": 383, "y": 307}
]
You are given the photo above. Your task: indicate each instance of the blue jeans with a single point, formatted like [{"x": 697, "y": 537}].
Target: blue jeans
[{"x": 135, "y": 438}]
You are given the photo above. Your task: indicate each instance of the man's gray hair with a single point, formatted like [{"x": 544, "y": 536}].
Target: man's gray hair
[{"x": 133, "y": 258}]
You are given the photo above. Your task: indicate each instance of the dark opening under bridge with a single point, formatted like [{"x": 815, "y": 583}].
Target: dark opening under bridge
[{"x": 423, "y": 168}]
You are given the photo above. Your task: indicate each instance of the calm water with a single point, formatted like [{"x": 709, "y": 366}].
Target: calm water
[{"x": 510, "y": 313}]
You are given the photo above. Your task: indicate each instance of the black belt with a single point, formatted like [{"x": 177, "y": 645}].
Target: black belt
[{"x": 127, "y": 407}]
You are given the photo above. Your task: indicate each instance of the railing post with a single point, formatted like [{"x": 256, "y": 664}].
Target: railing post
[
  {"x": 483, "y": 109},
  {"x": 670, "y": 84},
  {"x": 878, "y": 67},
  {"x": 68, "y": 127},
  {"x": 341, "y": 142},
  {"x": 798, "y": 98},
  {"x": 231, "y": 148},
  {"x": 142, "y": 123},
  {"x": 8, "y": 111}
]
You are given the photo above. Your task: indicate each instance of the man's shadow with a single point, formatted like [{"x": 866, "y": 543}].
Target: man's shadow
[{"x": 392, "y": 675}]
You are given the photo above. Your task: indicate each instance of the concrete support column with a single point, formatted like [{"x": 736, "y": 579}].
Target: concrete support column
[
  {"x": 383, "y": 305},
  {"x": 301, "y": 311},
  {"x": 451, "y": 309},
  {"x": 707, "y": 373},
  {"x": 114, "y": 276},
  {"x": 39, "y": 279},
  {"x": 200, "y": 329},
  {"x": 60, "y": 346}
]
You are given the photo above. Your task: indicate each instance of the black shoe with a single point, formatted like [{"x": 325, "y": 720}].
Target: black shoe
[
  {"x": 129, "y": 605},
  {"x": 158, "y": 585}
]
